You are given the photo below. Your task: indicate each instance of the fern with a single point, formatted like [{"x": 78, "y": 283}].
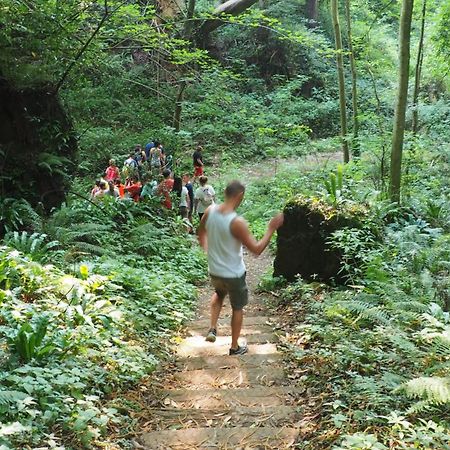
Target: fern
[
  {"x": 435, "y": 390},
  {"x": 34, "y": 245},
  {"x": 366, "y": 311},
  {"x": 11, "y": 397}
]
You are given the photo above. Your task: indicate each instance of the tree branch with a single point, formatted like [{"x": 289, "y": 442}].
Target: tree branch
[{"x": 83, "y": 49}]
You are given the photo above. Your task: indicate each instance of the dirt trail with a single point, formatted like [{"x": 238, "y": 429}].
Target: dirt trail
[{"x": 215, "y": 401}]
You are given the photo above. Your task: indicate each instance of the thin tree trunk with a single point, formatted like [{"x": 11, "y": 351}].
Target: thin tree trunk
[
  {"x": 178, "y": 106},
  {"x": 355, "y": 141},
  {"x": 418, "y": 72},
  {"x": 312, "y": 12},
  {"x": 402, "y": 99},
  {"x": 84, "y": 47},
  {"x": 341, "y": 78},
  {"x": 189, "y": 24},
  {"x": 382, "y": 132}
]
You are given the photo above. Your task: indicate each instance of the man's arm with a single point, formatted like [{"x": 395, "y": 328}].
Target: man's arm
[
  {"x": 202, "y": 231},
  {"x": 240, "y": 231}
]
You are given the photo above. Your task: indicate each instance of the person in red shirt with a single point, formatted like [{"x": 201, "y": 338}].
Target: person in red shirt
[
  {"x": 120, "y": 187},
  {"x": 133, "y": 187},
  {"x": 112, "y": 172},
  {"x": 165, "y": 188},
  {"x": 198, "y": 162}
]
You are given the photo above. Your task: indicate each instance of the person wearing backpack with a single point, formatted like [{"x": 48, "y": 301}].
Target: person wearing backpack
[{"x": 204, "y": 196}]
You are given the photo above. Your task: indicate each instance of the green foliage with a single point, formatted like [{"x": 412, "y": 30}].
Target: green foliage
[
  {"x": 93, "y": 323},
  {"x": 34, "y": 245}
]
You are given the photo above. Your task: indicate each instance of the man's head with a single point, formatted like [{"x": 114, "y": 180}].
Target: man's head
[
  {"x": 186, "y": 178},
  {"x": 199, "y": 148},
  {"x": 234, "y": 192},
  {"x": 112, "y": 162},
  {"x": 203, "y": 180},
  {"x": 166, "y": 173}
]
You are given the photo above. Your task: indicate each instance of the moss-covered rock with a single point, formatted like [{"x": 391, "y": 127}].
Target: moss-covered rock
[{"x": 302, "y": 247}]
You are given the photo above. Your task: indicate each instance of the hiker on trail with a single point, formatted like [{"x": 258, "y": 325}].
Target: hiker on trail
[
  {"x": 156, "y": 158},
  {"x": 102, "y": 189},
  {"x": 165, "y": 188},
  {"x": 111, "y": 191},
  {"x": 130, "y": 166},
  {"x": 120, "y": 187},
  {"x": 204, "y": 197},
  {"x": 222, "y": 233},
  {"x": 148, "y": 148},
  {"x": 112, "y": 172},
  {"x": 133, "y": 187},
  {"x": 198, "y": 162},
  {"x": 148, "y": 189},
  {"x": 95, "y": 189},
  {"x": 190, "y": 189},
  {"x": 182, "y": 192}
]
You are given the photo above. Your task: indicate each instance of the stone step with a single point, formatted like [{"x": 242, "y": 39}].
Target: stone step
[
  {"x": 228, "y": 362},
  {"x": 274, "y": 416},
  {"x": 225, "y": 330},
  {"x": 229, "y": 378},
  {"x": 221, "y": 438},
  {"x": 198, "y": 347},
  {"x": 260, "y": 396},
  {"x": 203, "y": 324}
]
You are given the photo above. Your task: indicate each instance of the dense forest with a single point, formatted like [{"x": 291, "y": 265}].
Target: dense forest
[{"x": 337, "y": 112}]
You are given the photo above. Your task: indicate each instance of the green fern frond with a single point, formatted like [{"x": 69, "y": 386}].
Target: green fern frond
[
  {"x": 366, "y": 311},
  {"x": 435, "y": 390},
  {"x": 11, "y": 397}
]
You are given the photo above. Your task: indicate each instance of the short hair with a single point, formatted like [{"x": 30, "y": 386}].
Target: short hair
[
  {"x": 112, "y": 161},
  {"x": 199, "y": 147},
  {"x": 166, "y": 173},
  {"x": 234, "y": 188},
  {"x": 186, "y": 175},
  {"x": 203, "y": 180}
]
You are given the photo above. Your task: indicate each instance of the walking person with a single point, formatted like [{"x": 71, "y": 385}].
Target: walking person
[
  {"x": 222, "y": 233},
  {"x": 197, "y": 158},
  {"x": 204, "y": 197},
  {"x": 190, "y": 189}
]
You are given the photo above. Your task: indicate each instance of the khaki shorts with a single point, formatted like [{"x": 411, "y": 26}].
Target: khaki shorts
[{"x": 235, "y": 287}]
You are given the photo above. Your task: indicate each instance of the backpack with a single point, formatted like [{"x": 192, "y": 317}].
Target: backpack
[{"x": 208, "y": 198}]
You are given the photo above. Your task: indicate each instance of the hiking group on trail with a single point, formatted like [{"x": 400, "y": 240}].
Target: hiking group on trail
[
  {"x": 221, "y": 233},
  {"x": 147, "y": 173}
]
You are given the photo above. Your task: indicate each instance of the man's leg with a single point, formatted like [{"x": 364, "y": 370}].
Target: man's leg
[
  {"x": 236, "y": 326},
  {"x": 216, "y": 307},
  {"x": 238, "y": 300}
]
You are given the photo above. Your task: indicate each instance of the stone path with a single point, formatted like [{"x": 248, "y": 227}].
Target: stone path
[{"x": 216, "y": 401}]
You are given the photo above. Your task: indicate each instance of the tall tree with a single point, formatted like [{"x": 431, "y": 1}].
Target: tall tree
[
  {"x": 402, "y": 99},
  {"x": 312, "y": 12},
  {"x": 355, "y": 140},
  {"x": 418, "y": 71},
  {"x": 341, "y": 78}
]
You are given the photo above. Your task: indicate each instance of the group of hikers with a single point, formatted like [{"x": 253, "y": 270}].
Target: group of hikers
[
  {"x": 147, "y": 173},
  {"x": 221, "y": 232}
]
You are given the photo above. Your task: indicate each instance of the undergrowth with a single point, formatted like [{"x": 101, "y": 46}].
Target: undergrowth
[{"x": 89, "y": 304}]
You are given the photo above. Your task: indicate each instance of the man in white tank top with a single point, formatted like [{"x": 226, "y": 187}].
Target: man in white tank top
[{"x": 222, "y": 233}]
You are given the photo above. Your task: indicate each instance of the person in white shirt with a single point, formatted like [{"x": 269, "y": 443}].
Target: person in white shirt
[
  {"x": 222, "y": 233},
  {"x": 204, "y": 197}
]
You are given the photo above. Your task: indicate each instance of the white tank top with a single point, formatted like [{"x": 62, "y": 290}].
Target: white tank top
[{"x": 225, "y": 258}]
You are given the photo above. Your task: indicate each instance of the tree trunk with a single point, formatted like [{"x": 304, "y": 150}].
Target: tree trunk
[
  {"x": 418, "y": 72},
  {"x": 312, "y": 12},
  {"x": 402, "y": 99},
  {"x": 189, "y": 24},
  {"x": 178, "y": 106},
  {"x": 341, "y": 78},
  {"x": 231, "y": 7},
  {"x": 355, "y": 141}
]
